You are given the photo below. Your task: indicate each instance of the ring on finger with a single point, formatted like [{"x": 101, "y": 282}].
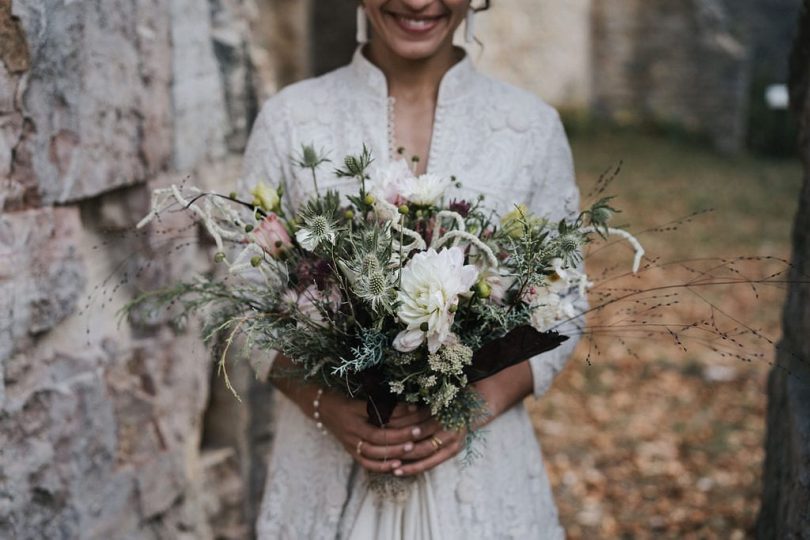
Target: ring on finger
[
  {"x": 436, "y": 442},
  {"x": 359, "y": 447}
]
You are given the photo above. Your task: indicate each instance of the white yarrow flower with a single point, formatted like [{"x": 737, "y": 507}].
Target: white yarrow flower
[{"x": 431, "y": 284}]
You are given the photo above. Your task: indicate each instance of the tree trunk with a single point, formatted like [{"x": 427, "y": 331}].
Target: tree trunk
[{"x": 786, "y": 484}]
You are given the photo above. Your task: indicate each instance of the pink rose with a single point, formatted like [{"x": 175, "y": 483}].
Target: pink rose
[{"x": 271, "y": 235}]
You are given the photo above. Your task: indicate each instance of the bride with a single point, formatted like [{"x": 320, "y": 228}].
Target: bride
[{"x": 410, "y": 92}]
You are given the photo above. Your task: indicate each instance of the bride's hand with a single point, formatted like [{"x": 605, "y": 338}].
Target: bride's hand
[
  {"x": 375, "y": 449},
  {"x": 500, "y": 392}
]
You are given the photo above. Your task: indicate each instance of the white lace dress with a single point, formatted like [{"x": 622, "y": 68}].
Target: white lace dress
[{"x": 497, "y": 140}]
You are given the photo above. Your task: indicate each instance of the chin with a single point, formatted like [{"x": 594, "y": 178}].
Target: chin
[{"x": 415, "y": 50}]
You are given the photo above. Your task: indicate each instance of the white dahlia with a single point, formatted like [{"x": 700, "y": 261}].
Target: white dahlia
[{"x": 431, "y": 284}]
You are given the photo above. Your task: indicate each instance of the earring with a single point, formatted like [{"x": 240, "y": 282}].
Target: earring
[
  {"x": 362, "y": 25},
  {"x": 469, "y": 26}
]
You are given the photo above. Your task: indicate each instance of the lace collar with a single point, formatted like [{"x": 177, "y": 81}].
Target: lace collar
[{"x": 455, "y": 82}]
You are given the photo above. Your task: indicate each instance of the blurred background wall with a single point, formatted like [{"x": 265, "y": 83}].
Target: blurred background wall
[
  {"x": 113, "y": 431},
  {"x": 101, "y": 426}
]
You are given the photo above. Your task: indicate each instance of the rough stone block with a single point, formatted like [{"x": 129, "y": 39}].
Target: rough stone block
[
  {"x": 200, "y": 120},
  {"x": 11, "y": 127},
  {"x": 94, "y": 96},
  {"x": 8, "y": 89},
  {"x": 159, "y": 484},
  {"x": 41, "y": 273}
]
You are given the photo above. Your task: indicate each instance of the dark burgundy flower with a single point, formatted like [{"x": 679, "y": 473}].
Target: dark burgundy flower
[{"x": 460, "y": 207}]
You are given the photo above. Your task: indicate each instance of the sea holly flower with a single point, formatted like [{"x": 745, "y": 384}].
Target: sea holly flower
[
  {"x": 378, "y": 288},
  {"x": 431, "y": 284},
  {"x": 271, "y": 235},
  {"x": 316, "y": 230}
]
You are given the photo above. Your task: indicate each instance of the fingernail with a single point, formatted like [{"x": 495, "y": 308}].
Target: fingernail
[
  {"x": 398, "y": 472},
  {"x": 412, "y": 408},
  {"x": 416, "y": 432},
  {"x": 408, "y": 447},
  {"x": 395, "y": 464}
]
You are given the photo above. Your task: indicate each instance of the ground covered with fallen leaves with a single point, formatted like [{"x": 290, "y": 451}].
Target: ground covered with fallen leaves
[{"x": 656, "y": 436}]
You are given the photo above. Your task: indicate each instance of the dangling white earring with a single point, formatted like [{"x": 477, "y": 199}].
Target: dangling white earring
[
  {"x": 469, "y": 26},
  {"x": 362, "y": 25}
]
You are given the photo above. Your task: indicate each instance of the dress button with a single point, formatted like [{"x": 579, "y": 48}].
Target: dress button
[{"x": 518, "y": 121}]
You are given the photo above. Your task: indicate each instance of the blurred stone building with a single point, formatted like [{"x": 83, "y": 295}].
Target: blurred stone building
[{"x": 696, "y": 66}]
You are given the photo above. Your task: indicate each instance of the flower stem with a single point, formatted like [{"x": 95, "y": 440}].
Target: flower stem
[
  {"x": 401, "y": 240},
  {"x": 315, "y": 181}
]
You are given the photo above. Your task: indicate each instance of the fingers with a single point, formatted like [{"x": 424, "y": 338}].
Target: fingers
[
  {"x": 409, "y": 418},
  {"x": 447, "y": 451},
  {"x": 390, "y": 437},
  {"x": 376, "y": 466},
  {"x": 427, "y": 447},
  {"x": 403, "y": 409},
  {"x": 386, "y": 452}
]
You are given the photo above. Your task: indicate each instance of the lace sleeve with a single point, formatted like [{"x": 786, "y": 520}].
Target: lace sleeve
[
  {"x": 264, "y": 160},
  {"x": 266, "y": 157},
  {"x": 555, "y": 196}
]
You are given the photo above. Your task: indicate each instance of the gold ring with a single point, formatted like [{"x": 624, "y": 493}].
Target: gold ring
[
  {"x": 436, "y": 442},
  {"x": 360, "y": 444}
]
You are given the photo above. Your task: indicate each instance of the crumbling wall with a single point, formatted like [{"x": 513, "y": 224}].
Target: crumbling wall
[
  {"x": 101, "y": 101},
  {"x": 675, "y": 63}
]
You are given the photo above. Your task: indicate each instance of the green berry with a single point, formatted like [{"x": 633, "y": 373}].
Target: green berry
[
  {"x": 219, "y": 257},
  {"x": 482, "y": 289},
  {"x": 255, "y": 261}
]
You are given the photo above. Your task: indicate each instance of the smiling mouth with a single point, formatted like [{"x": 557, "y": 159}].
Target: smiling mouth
[{"x": 416, "y": 24}]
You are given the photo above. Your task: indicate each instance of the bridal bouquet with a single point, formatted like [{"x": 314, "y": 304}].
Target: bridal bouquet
[{"x": 396, "y": 293}]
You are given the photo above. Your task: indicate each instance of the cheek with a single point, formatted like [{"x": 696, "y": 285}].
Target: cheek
[{"x": 459, "y": 10}]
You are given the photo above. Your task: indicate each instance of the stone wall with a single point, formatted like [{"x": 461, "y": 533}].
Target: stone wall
[
  {"x": 541, "y": 45},
  {"x": 786, "y": 480},
  {"x": 677, "y": 63},
  {"x": 102, "y": 427}
]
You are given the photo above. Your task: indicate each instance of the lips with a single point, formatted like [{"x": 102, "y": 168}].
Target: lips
[{"x": 416, "y": 25}]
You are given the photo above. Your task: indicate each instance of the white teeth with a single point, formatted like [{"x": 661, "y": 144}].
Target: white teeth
[{"x": 416, "y": 24}]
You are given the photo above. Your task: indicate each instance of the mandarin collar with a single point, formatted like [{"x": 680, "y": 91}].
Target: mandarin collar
[{"x": 455, "y": 82}]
